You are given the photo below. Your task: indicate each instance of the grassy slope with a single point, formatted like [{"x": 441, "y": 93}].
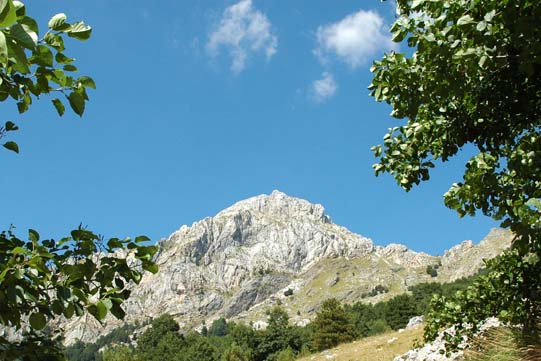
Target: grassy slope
[{"x": 375, "y": 348}]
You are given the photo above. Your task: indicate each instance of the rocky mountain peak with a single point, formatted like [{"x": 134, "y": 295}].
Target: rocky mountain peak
[
  {"x": 244, "y": 258},
  {"x": 279, "y": 205}
]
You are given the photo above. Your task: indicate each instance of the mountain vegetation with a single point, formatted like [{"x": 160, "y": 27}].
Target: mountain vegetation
[{"x": 335, "y": 323}]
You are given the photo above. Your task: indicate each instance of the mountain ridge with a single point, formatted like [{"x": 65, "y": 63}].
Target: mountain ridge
[{"x": 239, "y": 262}]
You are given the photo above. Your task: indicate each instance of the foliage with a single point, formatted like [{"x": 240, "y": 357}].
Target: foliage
[
  {"x": 40, "y": 280},
  {"x": 474, "y": 78},
  {"x": 432, "y": 271},
  {"x": 505, "y": 292},
  {"x": 379, "y": 289},
  {"x": 399, "y": 311},
  {"x": 218, "y": 327},
  {"x": 199, "y": 349},
  {"x": 332, "y": 326},
  {"x": 280, "y": 340},
  {"x": 236, "y": 353},
  {"x": 286, "y": 355},
  {"x": 244, "y": 336},
  {"x": 277, "y": 335},
  {"x": 49, "y": 349},
  {"x": 89, "y": 351},
  {"x": 363, "y": 318},
  {"x": 31, "y": 66},
  {"x": 161, "y": 340},
  {"x": 119, "y": 353}
]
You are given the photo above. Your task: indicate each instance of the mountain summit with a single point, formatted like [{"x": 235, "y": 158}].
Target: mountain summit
[{"x": 244, "y": 259}]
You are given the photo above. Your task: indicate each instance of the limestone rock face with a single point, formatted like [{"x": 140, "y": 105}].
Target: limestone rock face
[
  {"x": 402, "y": 255},
  {"x": 235, "y": 259},
  {"x": 241, "y": 261},
  {"x": 466, "y": 258}
]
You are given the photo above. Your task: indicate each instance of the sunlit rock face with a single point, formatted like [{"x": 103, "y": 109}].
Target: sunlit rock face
[{"x": 239, "y": 262}]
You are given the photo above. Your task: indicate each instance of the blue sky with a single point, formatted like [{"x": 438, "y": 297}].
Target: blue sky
[{"x": 200, "y": 104}]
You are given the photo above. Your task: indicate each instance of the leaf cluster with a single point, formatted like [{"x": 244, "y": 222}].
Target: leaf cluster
[
  {"x": 32, "y": 65},
  {"x": 42, "y": 280},
  {"x": 509, "y": 291},
  {"x": 473, "y": 78}
]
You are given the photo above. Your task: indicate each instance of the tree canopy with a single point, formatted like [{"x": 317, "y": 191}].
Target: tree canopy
[
  {"x": 32, "y": 65},
  {"x": 473, "y": 78},
  {"x": 44, "y": 279}
]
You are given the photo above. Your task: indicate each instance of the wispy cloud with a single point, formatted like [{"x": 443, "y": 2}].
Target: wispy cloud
[
  {"x": 241, "y": 32},
  {"x": 355, "y": 39},
  {"x": 324, "y": 88}
]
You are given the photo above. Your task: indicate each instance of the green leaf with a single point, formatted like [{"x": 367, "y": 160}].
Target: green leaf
[
  {"x": 98, "y": 310},
  {"x": 33, "y": 236},
  {"x": 30, "y": 23},
  {"x": 8, "y": 13},
  {"x": 19, "y": 9},
  {"x": 3, "y": 49},
  {"x": 70, "y": 67},
  {"x": 77, "y": 103},
  {"x": 482, "y": 61},
  {"x": 42, "y": 56},
  {"x": 57, "y": 21},
  {"x": 114, "y": 243},
  {"x": 535, "y": 203},
  {"x": 18, "y": 56},
  {"x": 140, "y": 239},
  {"x": 55, "y": 41},
  {"x": 416, "y": 4},
  {"x": 11, "y": 146},
  {"x": 37, "y": 320},
  {"x": 399, "y": 36},
  {"x": 481, "y": 26},
  {"x": 60, "y": 108},
  {"x": 87, "y": 82},
  {"x": 490, "y": 15},
  {"x": 150, "y": 267},
  {"x": 79, "y": 31},
  {"x": 117, "y": 311},
  {"x": 465, "y": 20},
  {"x": 62, "y": 59},
  {"x": 69, "y": 311},
  {"x": 19, "y": 250},
  {"x": 24, "y": 35},
  {"x": 19, "y": 273}
]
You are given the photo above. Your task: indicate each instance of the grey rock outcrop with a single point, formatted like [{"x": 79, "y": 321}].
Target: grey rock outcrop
[{"x": 434, "y": 351}]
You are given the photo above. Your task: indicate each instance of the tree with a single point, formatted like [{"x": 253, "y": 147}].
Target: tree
[
  {"x": 399, "y": 310},
  {"x": 163, "y": 327},
  {"x": 118, "y": 353},
  {"x": 474, "y": 78},
  {"x": 199, "y": 349},
  {"x": 332, "y": 326},
  {"x": 277, "y": 336},
  {"x": 219, "y": 327},
  {"x": 236, "y": 353},
  {"x": 41, "y": 280}
]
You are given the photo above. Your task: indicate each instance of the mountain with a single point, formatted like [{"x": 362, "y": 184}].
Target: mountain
[{"x": 278, "y": 249}]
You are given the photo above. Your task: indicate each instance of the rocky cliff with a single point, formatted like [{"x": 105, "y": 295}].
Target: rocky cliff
[{"x": 241, "y": 261}]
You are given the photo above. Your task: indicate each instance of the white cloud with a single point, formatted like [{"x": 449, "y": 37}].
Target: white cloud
[
  {"x": 242, "y": 31},
  {"x": 356, "y": 39},
  {"x": 324, "y": 88}
]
